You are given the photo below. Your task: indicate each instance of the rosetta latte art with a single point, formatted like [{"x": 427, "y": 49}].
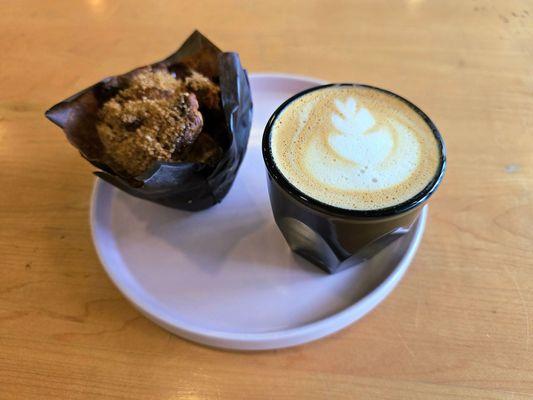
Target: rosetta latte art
[
  {"x": 354, "y": 147},
  {"x": 363, "y": 154}
]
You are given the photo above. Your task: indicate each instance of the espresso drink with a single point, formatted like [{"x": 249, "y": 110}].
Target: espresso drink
[{"x": 354, "y": 147}]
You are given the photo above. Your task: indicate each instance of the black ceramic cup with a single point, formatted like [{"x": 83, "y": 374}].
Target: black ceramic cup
[{"x": 334, "y": 238}]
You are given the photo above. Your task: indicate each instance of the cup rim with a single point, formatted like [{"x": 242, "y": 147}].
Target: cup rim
[{"x": 317, "y": 205}]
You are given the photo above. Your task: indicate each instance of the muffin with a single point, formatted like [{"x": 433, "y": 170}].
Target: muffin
[{"x": 173, "y": 132}]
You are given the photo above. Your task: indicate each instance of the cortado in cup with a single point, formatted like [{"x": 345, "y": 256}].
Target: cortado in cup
[{"x": 349, "y": 168}]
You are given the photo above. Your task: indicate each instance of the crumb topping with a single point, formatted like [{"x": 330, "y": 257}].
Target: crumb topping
[{"x": 156, "y": 117}]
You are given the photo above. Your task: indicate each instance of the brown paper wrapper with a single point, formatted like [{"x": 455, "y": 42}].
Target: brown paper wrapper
[{"x": 183, "y": 185}]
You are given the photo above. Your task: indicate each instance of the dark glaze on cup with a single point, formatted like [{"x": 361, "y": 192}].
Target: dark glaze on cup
[{"x": 335, "y": 238}]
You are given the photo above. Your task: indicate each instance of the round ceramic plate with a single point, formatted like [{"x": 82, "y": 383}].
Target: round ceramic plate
[{"x": 225, "y": 277}]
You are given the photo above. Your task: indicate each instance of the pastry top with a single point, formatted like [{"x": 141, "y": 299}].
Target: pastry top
[
  {"x": 206, "y": 91},
  {"x": 153, "y": 119}
]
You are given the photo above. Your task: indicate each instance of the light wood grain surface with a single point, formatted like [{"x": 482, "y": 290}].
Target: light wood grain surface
[{"x": 460, "y": 325}]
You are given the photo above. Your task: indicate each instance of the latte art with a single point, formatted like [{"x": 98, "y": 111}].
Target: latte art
[
  {"x": 354, "y": 147},
  {"x": 363, "y": 154}
]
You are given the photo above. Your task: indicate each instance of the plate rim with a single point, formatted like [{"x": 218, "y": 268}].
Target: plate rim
[{"x": 263, "y": 340}]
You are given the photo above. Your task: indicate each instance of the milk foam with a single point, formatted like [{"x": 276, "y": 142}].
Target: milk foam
[{"x": 354, "y": 147}]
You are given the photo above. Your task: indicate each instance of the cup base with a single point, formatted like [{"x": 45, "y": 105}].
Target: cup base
[{"x": 309, "y": 245}]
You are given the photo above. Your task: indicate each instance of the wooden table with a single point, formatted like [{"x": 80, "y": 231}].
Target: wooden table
[{"x": 460, "y": 325}]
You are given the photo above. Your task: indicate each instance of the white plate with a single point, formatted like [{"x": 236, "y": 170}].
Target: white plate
[{"x": 224, "y": 277}]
